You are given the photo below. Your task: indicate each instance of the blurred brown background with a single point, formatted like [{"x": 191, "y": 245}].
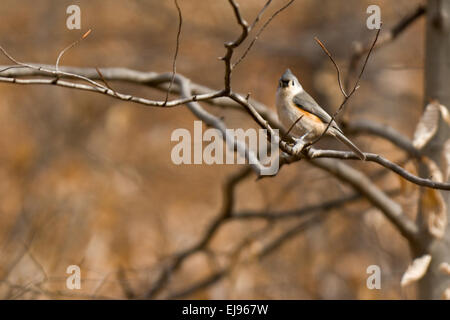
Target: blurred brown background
[{"x": 88, "y": 180}]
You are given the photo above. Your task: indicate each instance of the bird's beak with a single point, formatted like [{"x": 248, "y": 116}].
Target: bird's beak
[{"x": 284, "y": 83}]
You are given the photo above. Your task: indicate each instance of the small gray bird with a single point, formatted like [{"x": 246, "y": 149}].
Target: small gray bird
[{"x": 293, "y": 102}]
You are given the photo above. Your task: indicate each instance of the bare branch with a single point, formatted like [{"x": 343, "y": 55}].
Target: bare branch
[
  {"x": 335, "y": 65},
  {"x": 261, "y": 30},
  {"x": 304, "y": 211},
  {"x": 287, "y": 235},
  {"x": 355, "y": 87},
  {"x": 151, "y": 79},
  {"x": 261, "y": 254},
  {"x": 359, "y": 50},
  {"x": 202, "y": 284},
  {"x": 224, "y": 215},
  {"x": 392, "y": 210},
  {"x": 383, "y": 131},
  {"x": 216, "y": 122},
  {"x": 230, "y": 46},
  {"x": 346, "y": 155},
  {"x": 109, "y": 92},
  {"x": 314, "y": 153},
  {"x": 191, "y": 94},
  {"x": 104, "y": 81},
  {"x": 127, "y": 290},
  {"x": 155, "y": 79},
  {"x": 10, "y": 67},
  {"x": 49, "y": 71},
  {"x": 290, "y": 233},
  {"x": 260, "y": 13}
]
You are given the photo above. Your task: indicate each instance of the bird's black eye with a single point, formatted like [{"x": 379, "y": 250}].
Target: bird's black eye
[{"x": 292, "y": 83}]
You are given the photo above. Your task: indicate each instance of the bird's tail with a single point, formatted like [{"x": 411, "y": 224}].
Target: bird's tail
[{"x": 340, "y": 136}]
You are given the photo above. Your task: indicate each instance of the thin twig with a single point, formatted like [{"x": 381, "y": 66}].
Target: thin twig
[
  {"x": 335, "y": 65},
  {"x": 177, "y": 46},
  {"x": 230, "y": 46},
  {"x": 105, "y": 82},
  {"x": 48, "y": 71},
  {"x": 259, "y": 15},
  {"x": 355, "y": 87},
  {"x": 155, "y": 79},
  {"x": 73, "y": 44},
  {"x": 184, "y": 89},
  {"x": 402, "y": 25},
  {"x": 293, "y": 125},
  {"x": 11, "y": 67},
  {"x": 313, "y": 153},
  {"x": 260, "y": 31},
  {"x": 112, "y": 93}
]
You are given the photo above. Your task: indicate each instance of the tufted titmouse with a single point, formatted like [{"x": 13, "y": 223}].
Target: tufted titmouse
[{"x": 293, "y": 102}]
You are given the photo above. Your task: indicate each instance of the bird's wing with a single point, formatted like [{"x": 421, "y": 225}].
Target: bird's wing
[{"x": 305, "y": 102}]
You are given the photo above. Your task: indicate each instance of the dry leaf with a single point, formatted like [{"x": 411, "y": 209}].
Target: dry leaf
[
  {"x": 416, "y": 270},
  {"x": 444, "y": 267},
  {"x": 446, "y": 158},
  {"x": 427, "y": 126},
  {"x": 446, "y": 294},
  {"x": 435, "y": 212},
  {"x": 433, "y": 169},
  {"x": 407, "y": 188},
  {"x": 433, "y": 204},
  {"x": 445, "y": 114}
]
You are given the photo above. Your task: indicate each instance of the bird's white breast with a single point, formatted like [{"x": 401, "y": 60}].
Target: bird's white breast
[{"x": 288, "y": 113}]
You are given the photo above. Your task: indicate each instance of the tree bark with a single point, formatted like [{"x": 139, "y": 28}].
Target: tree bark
[{"x": 437, "y": 86}]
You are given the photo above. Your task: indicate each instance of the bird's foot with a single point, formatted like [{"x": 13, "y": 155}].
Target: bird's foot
[{"x": 298, "y": 146}]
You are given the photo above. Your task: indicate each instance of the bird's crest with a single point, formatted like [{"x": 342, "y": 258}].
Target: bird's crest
[{"x": 288, "y": 75}]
